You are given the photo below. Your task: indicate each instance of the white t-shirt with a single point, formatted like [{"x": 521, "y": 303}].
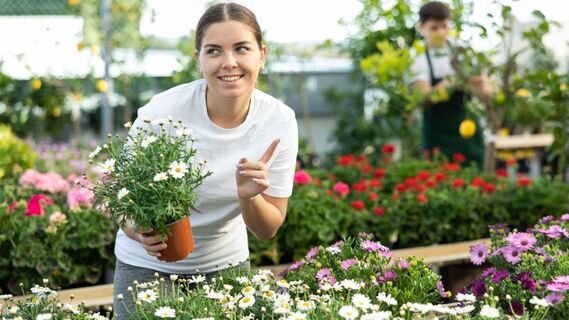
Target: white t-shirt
[
  {"x": 440, "y": 59},
  {"x": 218, "y": 228}
]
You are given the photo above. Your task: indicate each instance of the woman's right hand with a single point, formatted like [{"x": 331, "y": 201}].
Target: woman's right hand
[{"x": 151, "y": 243}]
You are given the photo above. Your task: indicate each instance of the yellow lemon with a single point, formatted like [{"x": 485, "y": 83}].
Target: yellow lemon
[
  {"x": 467, "y": 128},
  {"x": 500, "y": 98},
  {"x": 36, "y": 84},
  {"x": 56, "y": 112},
  {"x": 73, "y": 2},
  {"x": 523, "y": 93},
  {"x": 562, "y": 86},
  {"x": 101, "y": 85}
]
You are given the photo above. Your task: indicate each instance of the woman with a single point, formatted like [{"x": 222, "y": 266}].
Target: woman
[
  {"x": 433, "y": 71},
  {"x": 249, "y": 140}
]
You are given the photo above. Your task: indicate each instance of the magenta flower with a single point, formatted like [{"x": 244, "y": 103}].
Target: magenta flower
[
  {"x": 302, "y": 177},
  {"x": 341, "y": 188},
  {"x": 559, "y": 284},
  {"x": 478, "y": 288},
  {"x": 488, "y": 272},
  {"x": 565, "y": 217},
  {"x": 387, "y": 276},
  {"x": 323, "y": 273},
  {"x": 554, "y": 298},
  {"x": 500, "y": 275},
  {"x": 404, "y": 264},
  {"x": 312, "y": 253},
  {"x": 441, "y": 289},
  {"x": 512, "y": 254},
  {"x": 527, "y": 281},
  {"x": 478, "y": 254},
  {"x": 545, "y": 219},
  {"x": 522, "y": 240},
  {"x": 296, "y": 265},
  {"x": 346, "y": 264}
]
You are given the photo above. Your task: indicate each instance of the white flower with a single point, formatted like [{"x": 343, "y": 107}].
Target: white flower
[
  {"x": 333, "y": 249},
  {"x": 465, "y": 309},
  {"x": 165, "y": 312},
  {"x": 248, "y": 291},
  {"x": 122, "y": 193},
  {"x": 387, "y": 298},
  {"x": 147, "y": 296},
  {"x": 465, "y": 297},
  {"x": 242, "y": 280},
  {"x": 269, "y": 294},
  {"x": 72, "y": 308},
  {"x": 95, "y": 152},
  {"x": 377, "y": 315},
  {"x": 173, "y": 277},
  {"x": 109, "y": 166},
  {"x": 148, "y": 141},
  {"x": 43, "y": 291},
  {"x": 283, "y": 284},
  {"x": 161, "y": 176},
  {"x": 305, "y": 305},
  {"x": 489, "y": 312},
  {"x": 539, "y": 302},
  {"x": 14, "y": 310},
  {"x": 350, "y": 284},
  {"x": 361, "y": 301},
  {"x": 197, "y": 279},
  {"x": 159, "y": 122},
  {"x": 128, "y": 125},
  {"x": 44, "y": 316},
  {"x": 296, "y": 316},
  {"x": 227, "y": 287},
  {"x": 98, "y": 316},
  {"x": 246, "y": 302},
  {"x": 178, "y": 169},
  {"x": 348, "y": 312},
  {"x": 170, "y": 118},
  {"x": 5, "y": 296}
]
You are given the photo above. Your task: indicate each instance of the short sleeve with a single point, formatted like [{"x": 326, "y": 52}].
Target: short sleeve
[
  {"x": 419, "y": 69},
  {"x": 281, "y": 169}
]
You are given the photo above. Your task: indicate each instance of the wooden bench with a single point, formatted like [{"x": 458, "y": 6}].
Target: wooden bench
[{"x": 434, "y": 255}]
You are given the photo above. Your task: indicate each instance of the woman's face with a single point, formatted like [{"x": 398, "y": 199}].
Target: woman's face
[
  {"x": 435, "y": 32},
  {"x": 230, "y": 59}
]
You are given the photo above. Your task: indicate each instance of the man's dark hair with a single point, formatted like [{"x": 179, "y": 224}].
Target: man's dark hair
[{"x": 434, "y": 10}]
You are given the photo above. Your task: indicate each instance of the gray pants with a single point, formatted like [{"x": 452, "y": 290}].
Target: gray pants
[{"x": 126, "y": 274}]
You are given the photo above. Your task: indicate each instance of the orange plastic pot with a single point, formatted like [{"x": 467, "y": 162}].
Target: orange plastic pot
[{"x": 180, "y": 241}]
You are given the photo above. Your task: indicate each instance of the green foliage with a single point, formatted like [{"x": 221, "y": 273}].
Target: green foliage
[{"x": 15, "y": 154}]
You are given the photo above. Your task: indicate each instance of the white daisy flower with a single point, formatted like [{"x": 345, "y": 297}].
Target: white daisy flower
[
  {"x": 42, "y": 291},
  {"x": 305, "y": 305},
  {"x": 95, "y": 152},
  {"x": 165, "y": 312},
  {"x": 246, "y": 302},
  {"x": 269, "y": 295},
  {"x": 161, "y": 176},
  {"x": 333, "y": 249},
  {"x": 361, "y": 301},
  {"x": 109, "y": 166},
  {"x": 159, "y": 122},
  {"x": 98, "y": 316},
  {"x": 248, "y": 291},
  {"x": 72, "y": 308},
  {"x": 44, "y": 316},
  {"x": 465, "y": 297},
  {"x": 242, "y": 280},
  {"x": 489, "y": 312},
  {"x": 122, "y": 193},
  {"x": 128, "y": 125},
  {"x": 377, "y": 315},
  {"x": 283, "y": 284},
  {"x": 227, "y": 287},
  {"x": 148, "y": 141},
  {"x": 197, "y": 279},
  {"x": 184, "y": 132},
  {"x": 351, "y": 284},
  {"x": 170, "y": 118},
  {"x": 296, "y": 316},
  {"x": 387, "y": 298},
  {"x": 348, "y": 312},
  {"x": 178, "y": 169},
  {"x": 539, "y": 302},
  {"x": 13, "y": 310},
  {"x": 147, "y": 296}
]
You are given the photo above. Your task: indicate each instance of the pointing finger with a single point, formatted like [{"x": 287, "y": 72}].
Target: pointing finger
[{"x": 270, "y": 150}]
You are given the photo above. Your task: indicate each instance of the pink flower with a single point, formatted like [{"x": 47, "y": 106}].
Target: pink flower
[
  {"x": 512, "y": 254},
  {"x": 36, "y": 203},
  {"x": 554, "y": 298},
  {"x": 478, "y": 254},
  {"x": 559, "y": 284},
  {"x": 57, "y": 217},
  {"x": 372, "y": 246},
  {"x": 565, "y": 217},
  {"x": 29, "y": 177},
  {"x": 323, "y": 273},
  {"x": 50, "y": 182},
  {"x": 12, "y": 206},
  {"x": 522, "y": 240},
  {"x": 79, "y": 195},
  {"x": 346, "y": 264},
  {"x": 404, "y": 264},
  {"x": 302, "y": 177},
  {"x": 312, "y": 253},
  {"x": 341, "y": 188},
  {"x": 441, "y": 289}
]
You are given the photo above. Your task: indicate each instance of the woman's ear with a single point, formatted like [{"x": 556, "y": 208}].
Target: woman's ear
[
  {"x": 197, "y": 57},
  {"x": 263, "y": 56}
]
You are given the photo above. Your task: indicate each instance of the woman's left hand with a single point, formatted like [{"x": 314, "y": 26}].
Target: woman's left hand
[{"x": 252, "y": 177}]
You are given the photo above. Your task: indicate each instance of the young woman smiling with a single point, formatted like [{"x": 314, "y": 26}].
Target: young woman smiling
[{"x": 249, "y": 140}]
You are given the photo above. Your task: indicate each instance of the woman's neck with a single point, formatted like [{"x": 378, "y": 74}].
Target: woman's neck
[{"x": 227, "y": 113}]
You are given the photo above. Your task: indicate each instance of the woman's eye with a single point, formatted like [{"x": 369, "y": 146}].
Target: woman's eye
[
  {"x": 242, "y": 49},
  {"x": 212, "y": 51}
]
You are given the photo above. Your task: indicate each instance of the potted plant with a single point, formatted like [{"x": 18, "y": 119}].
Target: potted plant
[{"x": 149, "y": 178}]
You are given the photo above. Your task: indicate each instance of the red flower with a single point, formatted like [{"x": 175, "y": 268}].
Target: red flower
[
  {"x": 422, "y": 198},
  {"x": 458, "y": 157},
  {"x": 420, "y": 188},
  {"x": 360, "y": 187},
  {"x": 431, "y": 183},
  {"x": 451, "y": 167},
  {"x": 489, "y": 188},
  {"x": 317, "y": 182},
  {"x": 329, "y": 192},
  {"x": 341, "y": 188},
  {"x": 358, "y": 205},
  {"x": 12, "y": 206},
  {"x": 388, "y": 148},
  {"x": 375, "y": 183},
  {"x": 524, "y": 182},
  {"x": 477, "y": 182},
  {"x": 511, "y": 162},
  {"x": 427, "y": 154},
  {"x": 501, "y": 173},
  {"x": 346, "y": 160},
  {"x": 378, "y": 211},
  {"x": 423, "y": 175},
  {"x": 36, "y": 203},
  {"x": 366, "y": 168},
  {"x": 400, "y": 187},
  {"x": 410, "y": 182},
  {"x": 379, "y": 173},
  {"x": 457, "y": 183},
  {"x": 302, "y": 177},
  {"x": 395, "y": 196},
  {"x": 372, "y": 196},
  {"x": 439, "y": 176}
]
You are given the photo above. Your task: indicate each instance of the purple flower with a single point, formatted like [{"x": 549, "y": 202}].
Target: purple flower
[
  {"x": 554, "y": 298},
  {"x": 365, "y": 235},
  {"x": 498, "y": 251},
  {"x": 338, "y": 244},
  {"x": 441, "y": 289},
  {"x": 296, "y": 265},
  {"x": 540, "y": 251},
  {"x": 312, "y": 253},
  {"x": 323, "y": 273},
  {"x": 559, "y": 284},
  {"x": 553, "y": 232},
  {"x": 346, "y": 264},
  {"x": 522, "y": 240},
  {"x": 545, "y": 219},
  {"x": 478, "y": 288},
  {"x": 370, "y": 246},
  {"x": 512, "y": 254},
  {"x": 488, "y": 272},
  {"x": 387, "y": 276},
  {"x": 527, "y": 281},
  {"x": 501, "y": 228},
  {"x": 500, "y": 275},
  {"x": 326, "y": 280},
  {"x": 478, "y": 254},
  {"x": 517, "y": 308},
  {"x": 404, "y": 264},
  {"x": 565, "y": 217}
]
